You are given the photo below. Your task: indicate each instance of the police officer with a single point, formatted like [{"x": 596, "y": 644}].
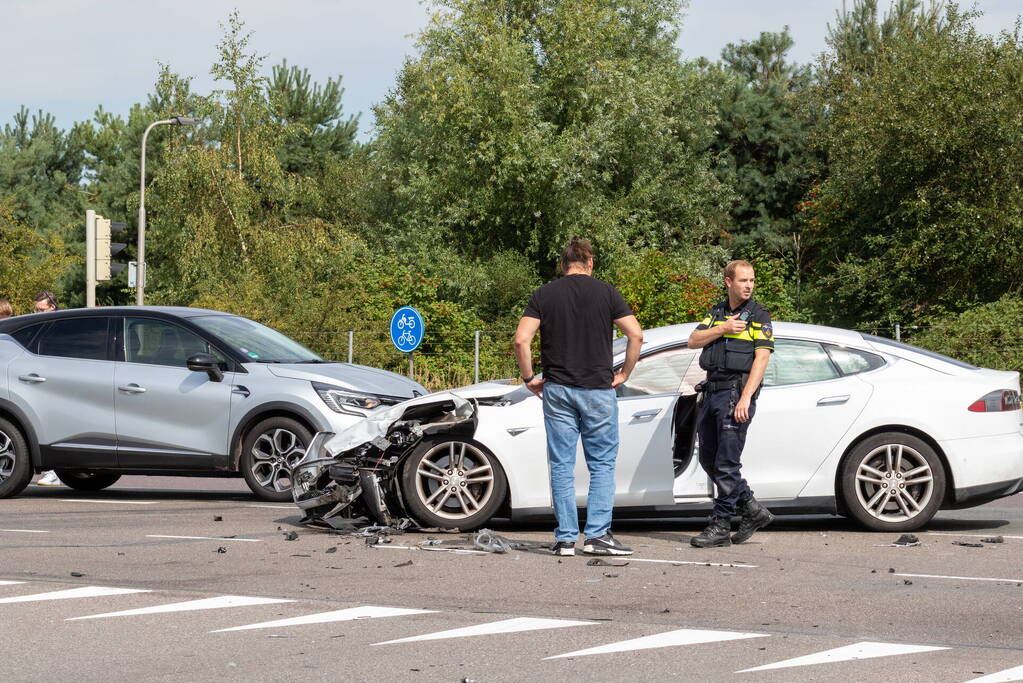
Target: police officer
[{"x": 737, "y": 341}]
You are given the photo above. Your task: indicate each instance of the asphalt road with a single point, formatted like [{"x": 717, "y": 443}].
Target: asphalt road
[{"x": 180, "y": 579}]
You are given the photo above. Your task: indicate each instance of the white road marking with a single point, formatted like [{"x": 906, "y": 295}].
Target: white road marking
[
  {"x": 685, "y": 636},
  {"x": 275, "y": 507},
  {"x": 689, "y": 562},
  {"x": 205, "y": 538},
  {"x": 367, "y": 612},
  {"x": 109, "y": 502},
  {"x": 83, "y": 592},
  {"x": 959, "y": 578},
  {"x": 505, "y": 626},
  {"x": 206, "y": 603},
  {"x": 1014, "y": 674},
  {"x": 25, "y": 531},
  {"x": 10, "y": 583},
  {"x": 944, "y": 533},
  {"x": 864, "y": 650}
]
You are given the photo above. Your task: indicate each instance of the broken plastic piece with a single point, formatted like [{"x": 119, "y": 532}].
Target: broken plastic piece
[
  {"x": 487, "y": 540},
  {"x": 993, "y": 539},
  {"x": 290, "y": 536},
  {"x": 967, "y": 544},
  {"x": 331, "y": 549},
  {"x": 221, "y": 550},
  {"x": 598, "y": 562},
  {"x": 431, "y": 541},
  {"x": 218, "y": 518},
  {"x": 404, "y": 564},
  {"x": 906, "y": 540}
]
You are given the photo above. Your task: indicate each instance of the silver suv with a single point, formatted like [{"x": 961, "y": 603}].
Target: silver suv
[{"x": 95, "y": 393}]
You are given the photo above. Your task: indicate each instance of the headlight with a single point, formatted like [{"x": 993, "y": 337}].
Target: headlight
[{"x": 344, "y": 401}]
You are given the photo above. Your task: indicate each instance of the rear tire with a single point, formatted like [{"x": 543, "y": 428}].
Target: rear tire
[
  {"x": 15, "y": 467},
  {"x": 452, "y": 483},
  {"x": 84, "y": 480},
  {"x": 893, "y": 482},
  {"x": 269, "y": 451}
]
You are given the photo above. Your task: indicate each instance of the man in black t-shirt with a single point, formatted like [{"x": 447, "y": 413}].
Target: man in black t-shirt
[{"x": 575, "y": 315}]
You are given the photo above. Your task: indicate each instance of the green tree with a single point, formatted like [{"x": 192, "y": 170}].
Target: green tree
[
  {"x": 922, "y": 208},
  {"x": 763, "y": 141},
  {"x": 28, "y": 259},
  {"x": 986, "y": 335},
  {"x": 524, "y": 122}
]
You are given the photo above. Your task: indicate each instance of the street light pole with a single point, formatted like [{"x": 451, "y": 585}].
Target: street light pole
[{"x": 140, "y": 290}]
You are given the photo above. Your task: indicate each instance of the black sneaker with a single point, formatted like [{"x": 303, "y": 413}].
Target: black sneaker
[
  {"x": 754, "y": 516},
  {"x": 715, "y": 535},
  {"x": 605, "y": 545},
  {"x": 563, "y": 548}
]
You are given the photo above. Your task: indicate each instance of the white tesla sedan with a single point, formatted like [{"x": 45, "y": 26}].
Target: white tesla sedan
[{"x": 846, "y": 423}]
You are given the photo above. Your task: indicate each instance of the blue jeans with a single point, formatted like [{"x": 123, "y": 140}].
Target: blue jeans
[{"x": 568, "y": 413}]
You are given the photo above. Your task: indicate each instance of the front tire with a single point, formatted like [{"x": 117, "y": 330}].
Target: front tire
[
  {"x": 893, "y": 482},
  {"x": 15, "y": 468},
  {"x": 453, "y": 483},
  {"x": 269, "y": 451},
  {"x": 84, "y": 480}
]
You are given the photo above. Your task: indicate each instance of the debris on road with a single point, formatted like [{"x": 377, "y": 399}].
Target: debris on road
[
  {"x": 218, "y": 518},
  {"x": 968, "y": 544},
  {"x": 77, "y": 574},
  {"x": 404, "y": 564},
  {"x": 598, "y": 562},
  {"x": 331, "y": 549},
  {"x": 290, "y": 536},
  {"x": 903, "y": 541},
  {"x": 488, "y": 541},
  {"x": 221, "y": 549},
  {"x": 992, "y": 539}
]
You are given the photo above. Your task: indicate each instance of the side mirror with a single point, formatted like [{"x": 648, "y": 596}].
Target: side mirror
[{"x": 204, "y": 362}]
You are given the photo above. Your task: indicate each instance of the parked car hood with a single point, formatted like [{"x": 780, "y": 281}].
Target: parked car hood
[{"x": 351, "y": 376}]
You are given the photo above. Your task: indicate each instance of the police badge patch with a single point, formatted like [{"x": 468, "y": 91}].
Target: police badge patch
[{"x": 766, "y": 331}]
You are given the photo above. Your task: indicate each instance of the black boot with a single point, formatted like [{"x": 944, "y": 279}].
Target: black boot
[
  {"x": 754, "y": 516},
  {"x": 715, "y": 535}
]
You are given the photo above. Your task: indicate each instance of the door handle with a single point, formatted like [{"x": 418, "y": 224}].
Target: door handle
[
  {"x": 132, "y": 389},
  {"x": 32, "y": 378},
  {"x": 833, "y": 401},
  {"x": 240, "y": 390},
  {"x": 645, "y": 415}
]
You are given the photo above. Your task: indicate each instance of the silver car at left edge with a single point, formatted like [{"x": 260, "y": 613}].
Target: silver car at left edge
[{"x": 100, "y": 392}]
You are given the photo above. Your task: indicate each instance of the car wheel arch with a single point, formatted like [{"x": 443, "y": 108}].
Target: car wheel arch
[
  {"x": 947, "y": 494},
  {"x": 257, "y": 415},
  {"x": 15, "y": 416}
]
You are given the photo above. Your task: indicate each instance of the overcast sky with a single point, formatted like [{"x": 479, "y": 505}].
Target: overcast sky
[{"x": 67, "y": 56}]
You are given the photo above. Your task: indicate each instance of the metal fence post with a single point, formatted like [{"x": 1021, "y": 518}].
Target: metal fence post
[
  {"x": 898, "y": 332},
  {"x": 351, "y": 344},
  {"x": 476, "y": 359}
]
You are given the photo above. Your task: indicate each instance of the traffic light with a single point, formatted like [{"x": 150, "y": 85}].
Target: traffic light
[{"x": 106, "y": 268}]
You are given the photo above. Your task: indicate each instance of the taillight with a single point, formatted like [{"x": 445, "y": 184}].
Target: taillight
[{"x": 996, "y": 401}]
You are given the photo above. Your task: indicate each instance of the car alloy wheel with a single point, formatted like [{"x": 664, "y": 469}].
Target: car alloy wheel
[
  {"x": 269, "y": 452},
  {"x": 893, "y": 482},
  {"x": 15, "y": 469},
  {"x": 453, "y": 484}
]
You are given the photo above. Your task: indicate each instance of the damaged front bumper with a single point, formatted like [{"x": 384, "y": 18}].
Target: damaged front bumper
[{"x": 356, "y": 474}]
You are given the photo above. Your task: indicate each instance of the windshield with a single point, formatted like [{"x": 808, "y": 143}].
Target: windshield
[{"x": 256, "y": 342}]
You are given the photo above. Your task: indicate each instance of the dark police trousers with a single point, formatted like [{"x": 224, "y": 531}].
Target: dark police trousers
[{"x": 721, "y": 443}]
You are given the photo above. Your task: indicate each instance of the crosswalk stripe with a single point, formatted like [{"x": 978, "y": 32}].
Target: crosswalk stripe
[
  {"x": 367, "y": 612},
  {"x": 10, "y": 583},
  {"x": 506, "y": 626},
  {"x": 697, "y": 564},
  {"x": 863, "y": 650},
  {"x": 204, "y": 538},
  {"x": 685, "y": 636},
  {"x": 109, "y": 502},
  {"x": 1013, "y": 674},
  {"x": 191, "y": 605},
  {"x": 83, "y": 592}
]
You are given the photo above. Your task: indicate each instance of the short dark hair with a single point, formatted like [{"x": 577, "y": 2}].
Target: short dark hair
[
  {"x": 577, "y": 250},
  {"x": 46, "y": 295}
]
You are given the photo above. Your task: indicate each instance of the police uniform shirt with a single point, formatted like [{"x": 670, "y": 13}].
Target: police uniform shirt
[{"x": 732, "y": 354}]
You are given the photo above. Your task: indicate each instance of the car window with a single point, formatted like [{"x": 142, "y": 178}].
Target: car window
[
  {"x": 796, "y": 362},
  {"x": 255, "y": 341},
  {"x": 26, "y": 335},
  {"x": 853, "y": 361},
  {"x": 658, "y": 373},
  {"x": 84, "y": 338},
  {"x": 158, "y": 342}
]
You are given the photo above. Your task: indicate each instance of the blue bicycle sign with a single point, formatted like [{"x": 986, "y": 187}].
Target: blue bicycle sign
[{"x": 407, "y": 329}]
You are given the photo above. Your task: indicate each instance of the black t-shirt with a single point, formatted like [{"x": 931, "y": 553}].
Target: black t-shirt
[{"x": 577, "y": 314}]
